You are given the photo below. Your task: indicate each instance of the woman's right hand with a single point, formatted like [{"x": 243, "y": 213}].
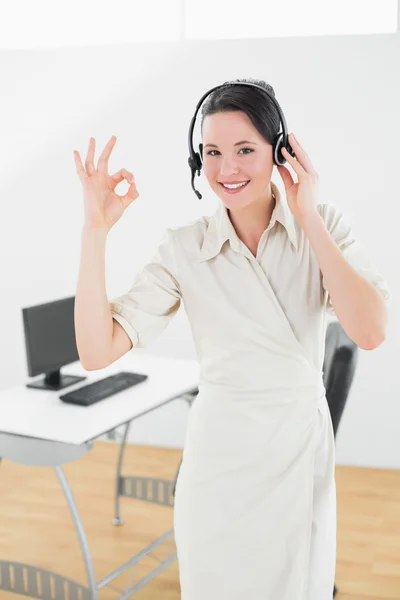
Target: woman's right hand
[{"x": 103, "y": 207}]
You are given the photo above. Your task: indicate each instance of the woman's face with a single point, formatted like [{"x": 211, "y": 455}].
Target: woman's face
[{"x": 227, "y": 162}]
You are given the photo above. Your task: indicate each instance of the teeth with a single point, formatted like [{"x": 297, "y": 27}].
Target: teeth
[{"x": 235, "y": 185}]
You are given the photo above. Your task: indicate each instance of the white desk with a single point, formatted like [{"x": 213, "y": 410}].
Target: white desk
[{"x": 38, "y": 429}]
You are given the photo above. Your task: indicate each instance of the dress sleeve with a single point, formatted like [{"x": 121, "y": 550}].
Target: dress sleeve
[
  {"x": 154, "y": 298},
  {"x": 354, "y": 252}
]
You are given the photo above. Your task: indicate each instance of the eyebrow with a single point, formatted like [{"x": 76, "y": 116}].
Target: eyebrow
[{"x": 237, "y": 144}]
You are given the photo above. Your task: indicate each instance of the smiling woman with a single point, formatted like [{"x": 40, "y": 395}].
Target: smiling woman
[{"x": 255, "y": 499}]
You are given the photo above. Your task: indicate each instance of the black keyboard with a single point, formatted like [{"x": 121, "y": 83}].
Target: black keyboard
[{"x": 98, "y": 390}]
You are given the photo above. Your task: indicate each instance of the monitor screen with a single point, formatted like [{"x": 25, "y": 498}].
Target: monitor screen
[{"x": 50, "y": 339}]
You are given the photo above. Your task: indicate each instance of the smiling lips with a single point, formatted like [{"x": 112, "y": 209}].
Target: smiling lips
[
  {"x": 232, "y": 182},
  {"x": 236, "y": 189}
]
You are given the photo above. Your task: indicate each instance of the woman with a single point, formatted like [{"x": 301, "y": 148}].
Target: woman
[{"x": 255, "y": 502}]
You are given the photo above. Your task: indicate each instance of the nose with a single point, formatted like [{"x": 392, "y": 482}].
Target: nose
[{"x": 228, "y": 167}]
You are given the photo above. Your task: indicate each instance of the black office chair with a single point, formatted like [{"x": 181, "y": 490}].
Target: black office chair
[
  {"x": 338, "y": 371},
  {"x": 339, "y": 366}
]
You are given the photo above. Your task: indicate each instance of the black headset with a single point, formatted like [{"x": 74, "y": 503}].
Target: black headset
[{"x": 281, "y": 140}]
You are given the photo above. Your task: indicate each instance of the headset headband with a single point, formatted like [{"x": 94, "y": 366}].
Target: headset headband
[{"x": 281, "y": 141}]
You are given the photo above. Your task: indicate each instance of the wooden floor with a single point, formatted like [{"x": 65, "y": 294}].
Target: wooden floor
[{"x": 35, "y": 525}]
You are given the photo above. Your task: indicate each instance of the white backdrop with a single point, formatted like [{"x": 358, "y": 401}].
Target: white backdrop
[{"x": 341, "y": 97}]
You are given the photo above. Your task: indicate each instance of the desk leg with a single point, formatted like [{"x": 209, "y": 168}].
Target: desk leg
[
  {"x": 80, "y": 532},
  {"x": 117, "y": 518}
]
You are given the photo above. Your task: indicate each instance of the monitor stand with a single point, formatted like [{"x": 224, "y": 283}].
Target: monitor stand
[{"x": 54, "y": 380}]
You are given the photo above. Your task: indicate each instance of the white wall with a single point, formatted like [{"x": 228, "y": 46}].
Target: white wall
[{"x": 340, "y": 95}]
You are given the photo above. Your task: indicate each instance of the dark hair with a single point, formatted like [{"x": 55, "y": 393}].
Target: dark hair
[{"x": 260, "y": 109}]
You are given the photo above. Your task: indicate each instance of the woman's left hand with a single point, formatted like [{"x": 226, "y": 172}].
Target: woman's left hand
[{"x": 301, "y": 196}]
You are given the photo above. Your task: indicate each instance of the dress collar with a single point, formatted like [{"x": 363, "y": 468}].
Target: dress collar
[{"x": 220, "y": 228}]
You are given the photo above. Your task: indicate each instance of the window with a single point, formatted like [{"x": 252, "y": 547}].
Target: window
[
  {"x": 240, "y": 19},
  {"x": 47, "y": 23}
]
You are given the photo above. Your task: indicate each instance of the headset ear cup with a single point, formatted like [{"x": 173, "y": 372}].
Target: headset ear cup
[
  {"x": 195, "y": 162},
  {"x": 198, "y": 160},
  {"x": 279, "y": 159}
]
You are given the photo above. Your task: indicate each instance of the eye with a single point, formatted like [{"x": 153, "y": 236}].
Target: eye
[{"x": 249, "y": 149}]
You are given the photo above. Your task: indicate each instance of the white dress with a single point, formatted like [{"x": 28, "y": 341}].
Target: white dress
[{"x": 255, "y": 502}]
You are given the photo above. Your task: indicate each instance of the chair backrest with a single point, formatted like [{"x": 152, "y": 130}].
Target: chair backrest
[{"x": 340, "y": 361}]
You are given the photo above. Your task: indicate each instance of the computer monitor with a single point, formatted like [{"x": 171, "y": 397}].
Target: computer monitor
[{"x": 50, "y": 343}]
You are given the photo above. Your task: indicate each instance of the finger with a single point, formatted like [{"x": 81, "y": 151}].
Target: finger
[
  {"x": 102, "y": 165},
  {"x": 130, "y": 196},
  {"x": 293, "y": 163},
  {"x": 120, "y": 176},
  {"x": 301, "y": 155},
  {"x": 79, "y": 166},
  {"x": 89, "y": 162}
]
